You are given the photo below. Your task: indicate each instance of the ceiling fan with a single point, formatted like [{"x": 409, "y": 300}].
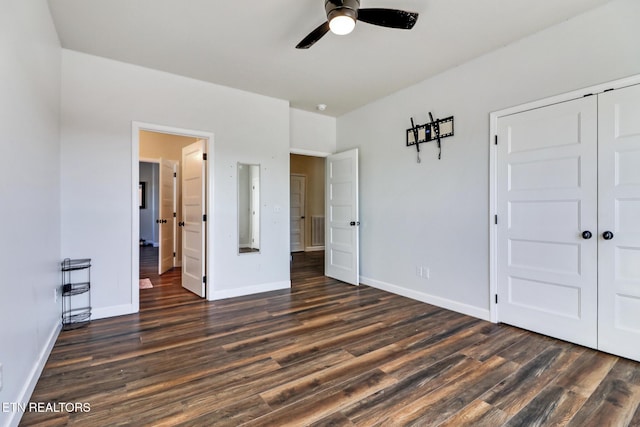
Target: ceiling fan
[{"x": 342, "y": 16}]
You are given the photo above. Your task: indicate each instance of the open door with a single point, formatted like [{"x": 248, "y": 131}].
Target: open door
[
  {"x": 194, "y": 220},
  {"x": 297, "y": 216},
  {"x": 166, "y": 220},
  {"x": 342, "y": 256}
]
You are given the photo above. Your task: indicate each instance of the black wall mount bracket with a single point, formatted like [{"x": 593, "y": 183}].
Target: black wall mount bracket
[{"x": 435, "y": 130}]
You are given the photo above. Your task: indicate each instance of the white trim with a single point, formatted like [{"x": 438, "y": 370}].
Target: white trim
[
  {"x": 493, "y": 202},
  {"x": 249, "y": 290},
  {"x": 27, "y": 391},
  {"x": 591, "y": 90},
  {"x": 314, "y": 248},
  {"x": 312, "y": 153},
  {"x": 445, "y": 303},
  {"x": 136, "y": 127}
]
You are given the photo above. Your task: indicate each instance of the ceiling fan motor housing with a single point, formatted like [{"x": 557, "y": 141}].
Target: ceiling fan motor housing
[{"x": 342, "y": 8}]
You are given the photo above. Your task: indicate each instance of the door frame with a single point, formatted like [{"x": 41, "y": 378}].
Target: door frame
[
  {"x": 157, "y": 162},
  {"x": 310, "y": 153},
  {"x": 208, "y": 137},
  {"x": 493, "y": 168}
]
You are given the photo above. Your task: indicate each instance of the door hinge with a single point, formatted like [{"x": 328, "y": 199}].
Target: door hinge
[
  {"x": 174, "y": 215},
  {"x": 175, "y": 175},
  {"x": 204, "y": 218},
  {"x": 174, "y": 254},
  {"x": 495, "y": 140},
  {"x": 496, "y": 298},
  {"x": 204, "y": 156},
  {"x": 204, "y": 279},
  {"x": 495, "y": 219}
]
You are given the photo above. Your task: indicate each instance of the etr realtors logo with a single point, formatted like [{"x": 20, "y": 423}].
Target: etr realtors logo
[{"x": 46, "y": 407}]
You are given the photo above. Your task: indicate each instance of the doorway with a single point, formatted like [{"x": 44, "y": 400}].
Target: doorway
[
  {"x": 338, "y": 221},
  {"x": 159, "y": 203},
  {"x": 307, "y": 203},
  {"x": 165, "y": 145}
]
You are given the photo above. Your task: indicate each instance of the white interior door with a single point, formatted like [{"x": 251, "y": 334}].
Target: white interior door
[
  {"x": 546, "y": 198},
  {"x": 342, "y": 257},
  {"x": 166, "y": 220},
  {"x": 297, "y": 216},
  {"x": 619, "y": 214},
  {"x": 193, "y": 212}
]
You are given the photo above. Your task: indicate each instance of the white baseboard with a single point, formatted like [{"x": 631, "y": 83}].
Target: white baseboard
[
  {"x": 448, "y": 304},
  {"x": 314, "y": 248},
  {"x": 113, "y": 311},
  {"x": 249, "y": 290},
  {"x": 34, "y": 375}
]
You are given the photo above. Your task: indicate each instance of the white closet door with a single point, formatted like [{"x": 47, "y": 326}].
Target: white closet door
[
  {"x": 619, "y": 214},
  {"x": 546, "y": 198}
]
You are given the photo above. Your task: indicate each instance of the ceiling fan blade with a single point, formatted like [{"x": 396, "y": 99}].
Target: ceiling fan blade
[
  {"x": 313, "y": 36},
  {"x": 391, "y": 18}
]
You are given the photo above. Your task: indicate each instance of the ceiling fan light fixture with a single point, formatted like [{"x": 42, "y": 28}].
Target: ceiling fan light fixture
[
  {"x": 343, "y": 14},
  {"x": 342, "y": 24}
]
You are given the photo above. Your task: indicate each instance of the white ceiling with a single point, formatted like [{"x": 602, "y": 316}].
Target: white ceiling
[{"x": 249, "y": 45}]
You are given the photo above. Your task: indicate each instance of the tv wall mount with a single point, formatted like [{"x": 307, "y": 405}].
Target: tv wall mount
[{"x": 435, "y": 130}]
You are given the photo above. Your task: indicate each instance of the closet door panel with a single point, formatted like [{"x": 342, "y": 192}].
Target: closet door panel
[
  {"x": 547, "y": 195},
  {"x": 619, "y": 214}
]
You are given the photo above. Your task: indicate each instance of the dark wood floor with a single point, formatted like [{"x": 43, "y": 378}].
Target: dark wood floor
[{"x": 325, "y": 354}]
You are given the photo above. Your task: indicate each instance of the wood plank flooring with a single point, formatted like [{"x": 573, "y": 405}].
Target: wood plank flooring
[{"x": 324, "y": 354}]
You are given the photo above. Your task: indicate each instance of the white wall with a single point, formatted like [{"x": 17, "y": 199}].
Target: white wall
[
  {"x": 436, "y": 214},
  {"x": 100, "y": 99},
  {"x": 312, "y": 134},
  {"x": 30, "y": 191}
]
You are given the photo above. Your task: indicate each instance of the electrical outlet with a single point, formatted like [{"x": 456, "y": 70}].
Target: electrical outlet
[
  {"x": 419, "y": 271},
  {"x": 426, "y": 273}
]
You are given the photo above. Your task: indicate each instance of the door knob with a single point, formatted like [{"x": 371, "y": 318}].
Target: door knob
[
  {"x": 354, "y": 223},
  {"x": 607, "y": 235},
  {"x": 301, "y": 217},
  {"x": 164, "y": 221},
  {"x": 181, "y": 224},
  {"x": 586, "y": 234}
]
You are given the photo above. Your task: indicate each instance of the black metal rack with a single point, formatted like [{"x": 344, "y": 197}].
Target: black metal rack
[{"x": 76, "y": 295}]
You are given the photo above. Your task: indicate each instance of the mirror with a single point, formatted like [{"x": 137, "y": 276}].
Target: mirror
[{"x": 248, "y": 208}]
